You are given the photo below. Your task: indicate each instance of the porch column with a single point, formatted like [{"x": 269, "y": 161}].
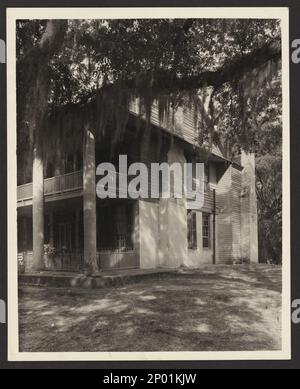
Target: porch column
[
  {"x": 172, "y": 250},
  {"x": 38, "y": 209},
  {"x": 89, "y": 203}
]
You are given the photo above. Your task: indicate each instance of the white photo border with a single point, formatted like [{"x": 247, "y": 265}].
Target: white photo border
[{"x": 13, "y": 14}]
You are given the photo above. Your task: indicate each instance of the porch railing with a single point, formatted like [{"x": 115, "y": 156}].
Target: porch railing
[
  {"x": 57, "y": 184},
  {"x": 71, "y": 261},
  {"x": 120, "y": 243}
]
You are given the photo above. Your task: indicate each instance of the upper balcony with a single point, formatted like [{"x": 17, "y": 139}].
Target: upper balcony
[
  {"x": 55, "y": 188},
  {"x": 71, "y": 185}
]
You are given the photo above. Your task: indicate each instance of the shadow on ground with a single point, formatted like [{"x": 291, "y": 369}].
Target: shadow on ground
[{"x": 216, "y": 308}]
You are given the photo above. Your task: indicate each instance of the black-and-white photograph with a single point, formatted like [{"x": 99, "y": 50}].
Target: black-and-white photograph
[{"x": 149, "y": 184}]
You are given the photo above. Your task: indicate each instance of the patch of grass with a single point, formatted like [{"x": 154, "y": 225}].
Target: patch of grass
[{"x": 216, "y": 308}]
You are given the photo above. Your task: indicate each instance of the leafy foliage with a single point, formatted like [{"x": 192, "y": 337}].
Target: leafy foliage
[
  {"x": 269, "y": 195},
  {"x": 134, "y": 57}
]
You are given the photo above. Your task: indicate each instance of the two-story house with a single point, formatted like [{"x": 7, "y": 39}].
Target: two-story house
[{"x": 140, "y": 233}]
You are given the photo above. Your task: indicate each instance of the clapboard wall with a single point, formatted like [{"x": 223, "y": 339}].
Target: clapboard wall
[{"x": 224, "y": 234}]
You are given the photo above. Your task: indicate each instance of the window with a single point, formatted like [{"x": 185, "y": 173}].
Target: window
[
  {"x": 206, "y": 176},
  {"x": 78, "y": 160},
  {"x": 116, "y": 233},
  {"x": 192, "y": 229},
  {"x": 69, "y": 164},
  {"x": 24, "y": 226},
  {"x": 65, "y": 236},
  {"x": 49, "y": 170},
  {"x": 206, "y": 230}
]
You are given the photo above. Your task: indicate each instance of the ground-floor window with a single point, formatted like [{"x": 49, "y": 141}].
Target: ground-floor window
[
  {"x": 206, "y": 230},
  {"x": 65, "y": 236},
  {"x": 191, "y": 229},
  {"x": 24, "y": 233},
  {"x": 115, "y": 225},
  {"x": 66, "y": 230}
]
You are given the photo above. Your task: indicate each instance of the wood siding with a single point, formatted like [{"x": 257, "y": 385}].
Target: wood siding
[
  {"x": 181, "y": 123},
  {"x": 223, "y": 219},
  {"x": 229, "y": 216}
]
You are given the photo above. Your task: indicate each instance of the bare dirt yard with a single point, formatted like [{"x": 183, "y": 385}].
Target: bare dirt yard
[{"x": 215, "y": 308}]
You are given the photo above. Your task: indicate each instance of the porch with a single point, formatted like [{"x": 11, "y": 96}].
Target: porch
[
  {"x": 102, "y": 279},
  {"x": 116, "y": 235},
  {"x": 74, "y": 261}
]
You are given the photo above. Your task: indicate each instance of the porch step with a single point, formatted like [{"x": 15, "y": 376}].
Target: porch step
[{"x": 105, "y": 279}]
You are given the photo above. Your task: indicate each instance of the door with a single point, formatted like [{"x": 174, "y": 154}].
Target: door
[{"x": 65, "y": 236}]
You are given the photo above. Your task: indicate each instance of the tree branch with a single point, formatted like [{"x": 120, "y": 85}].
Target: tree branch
[
  {"x": 234, "y": 70},
  {"x": 49, "y": 44},
  {"x": 166, "y": 82}
]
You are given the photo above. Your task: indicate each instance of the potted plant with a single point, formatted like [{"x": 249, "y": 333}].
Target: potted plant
[{"x": 49, "y": 253}]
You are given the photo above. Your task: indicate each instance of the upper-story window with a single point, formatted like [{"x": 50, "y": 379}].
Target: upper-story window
[
  {"x": 69, "y": 163},
  {"x": 206, "y": 230},
  {"x": 49, "y": 170},
  {"x": 78, "y": 161},
  {"x": 206, "y": 176},
  {"x": 72, "y": 162}
]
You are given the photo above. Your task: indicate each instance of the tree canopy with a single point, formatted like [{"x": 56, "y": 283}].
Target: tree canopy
[{"x": 234, "y": 63}]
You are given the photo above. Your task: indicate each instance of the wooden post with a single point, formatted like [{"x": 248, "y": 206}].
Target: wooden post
[
  {"x": 89, "y": 203},
  {"x": 38, "y": 208}
]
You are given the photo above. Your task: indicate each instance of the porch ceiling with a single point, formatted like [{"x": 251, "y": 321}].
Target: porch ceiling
[{"x": 59, "y": 205}]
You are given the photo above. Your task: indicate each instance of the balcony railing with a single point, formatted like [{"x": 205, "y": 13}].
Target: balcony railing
[
  {"x": 74, "y": 181},
  {"x": 53, "y": 185},
  {"x": 118, "y": 243},
  {"x": 63, "y": 183}
]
